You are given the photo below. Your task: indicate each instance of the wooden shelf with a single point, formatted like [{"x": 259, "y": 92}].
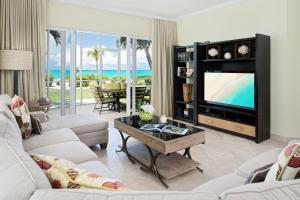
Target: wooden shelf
[
  {"x": 250, "y": 113},
  {"x": 182, "y": 102},
  {"x": 229, "y": 60},
  {"x": 183, "y": 119},
  {"x": 185, "y": 77}
]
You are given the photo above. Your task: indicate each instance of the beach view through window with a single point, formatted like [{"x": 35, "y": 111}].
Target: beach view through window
[{"x": 99, "y": 58}]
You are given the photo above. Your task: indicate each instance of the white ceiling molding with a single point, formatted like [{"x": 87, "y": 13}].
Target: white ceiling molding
[
  {"x": 208, "y": 9},
  {"x": 115, "y": 10},
  {"x": 176, "y": 11}
]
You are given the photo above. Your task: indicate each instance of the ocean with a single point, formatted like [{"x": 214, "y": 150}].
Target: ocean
[{"x": 56, "y": 73}]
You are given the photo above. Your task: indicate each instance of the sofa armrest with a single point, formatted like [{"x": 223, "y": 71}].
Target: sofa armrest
[
  {"x": 42, "y": 116},
  {"x": 277, "y": 190},
  {"x": 79, "y": 194},
  {"x": 257, "y": 162}
]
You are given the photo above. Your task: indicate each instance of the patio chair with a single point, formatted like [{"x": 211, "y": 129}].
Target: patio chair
[
  {"x": 139, "y": 95},
  {"x": 147, "y": 97},
  {"x": 102, "y": 98}
]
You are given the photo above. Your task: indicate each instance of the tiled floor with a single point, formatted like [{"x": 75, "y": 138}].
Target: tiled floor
[{"x": 221, "y": 154}]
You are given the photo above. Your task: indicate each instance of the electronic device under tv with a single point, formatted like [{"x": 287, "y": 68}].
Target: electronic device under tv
[{"x": 230, "y": 89}]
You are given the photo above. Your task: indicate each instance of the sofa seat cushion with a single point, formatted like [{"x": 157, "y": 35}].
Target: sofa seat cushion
[
  {"x": 220, "y": 184},
  {"x": 257, "y": 162},
  {"x": 74, "y": 151},
  {"x": 20, "y": 176},
  {"x": 49, "y": 138},
  {"x": 277, "y": 190},
  {"x": 98, "y": 167},
  {"x": 66, "y": 194},
  {"x": 80, "y": 124}
]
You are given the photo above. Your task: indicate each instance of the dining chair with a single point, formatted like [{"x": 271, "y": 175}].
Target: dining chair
[{"x": 102, "y": 98}]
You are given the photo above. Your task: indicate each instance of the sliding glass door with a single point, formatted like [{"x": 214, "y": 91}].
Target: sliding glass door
[
  {"x": 61, "y": 69},
  {"x": 77, "y": 60}
]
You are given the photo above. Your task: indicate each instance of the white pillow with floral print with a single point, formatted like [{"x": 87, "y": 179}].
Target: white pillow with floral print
[{"x": 287, "y": 166}]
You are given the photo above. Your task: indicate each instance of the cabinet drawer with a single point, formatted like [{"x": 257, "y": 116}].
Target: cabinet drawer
[{"x": 228, "y": 125}]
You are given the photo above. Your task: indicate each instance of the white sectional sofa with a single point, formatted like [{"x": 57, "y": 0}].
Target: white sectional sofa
[
  {"x": 90, "y": 128},
  {"x": 22, "y": 179}
]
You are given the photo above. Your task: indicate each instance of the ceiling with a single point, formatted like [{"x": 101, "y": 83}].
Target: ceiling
[{"x": 164, "y": 9}]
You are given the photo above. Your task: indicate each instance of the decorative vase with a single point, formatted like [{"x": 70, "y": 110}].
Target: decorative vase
[
  {"x": 187, "y": 92},
  {"x": 145, "y": 116}
]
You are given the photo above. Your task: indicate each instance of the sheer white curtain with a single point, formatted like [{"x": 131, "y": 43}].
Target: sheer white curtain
[
  {"x": 164, "y": 38},
  {"x": 22, "y": 27}
]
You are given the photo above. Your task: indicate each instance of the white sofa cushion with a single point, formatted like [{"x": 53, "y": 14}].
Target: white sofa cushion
[
  {"x": 98, "y": 167},
  {"x": 122, "y": 195},
  {"x": 80, "y": 124},
  {"x": 294, "y": 141},
  {"x": 220, "y": 184},
  {"x": 10, "y": 133},
  {"x": 10, "y": 115},
  {"x": 257, "y": 162},
  {"x": 49, "y": 138},
  {"x": 277, "y": 190},
  {"x": 5, "y": 99},
  {"x": 75, "y": 151},
  {"x": 20, "y": 176}
]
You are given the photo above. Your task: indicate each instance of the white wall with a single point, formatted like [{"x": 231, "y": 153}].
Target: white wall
[
  {"x": 244, "y": 19},
  {"x": 88, "y": 19},
  {"x": 293, "y": 56}
]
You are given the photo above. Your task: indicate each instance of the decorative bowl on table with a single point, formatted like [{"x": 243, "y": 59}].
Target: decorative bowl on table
[
  {"x": 146, "y": 113},
  {"x": 145, "y": 116}
]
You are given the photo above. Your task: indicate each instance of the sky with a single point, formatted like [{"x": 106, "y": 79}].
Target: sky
[{"x": 110, "y": 59}]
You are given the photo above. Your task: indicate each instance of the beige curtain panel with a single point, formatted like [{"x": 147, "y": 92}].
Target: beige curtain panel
[
  {"x": 164, "y": 38},
  {"x": 22, "y": 27}
]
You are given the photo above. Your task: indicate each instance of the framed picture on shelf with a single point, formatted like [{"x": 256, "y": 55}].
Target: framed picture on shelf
[{"x": 181, "y": 71}]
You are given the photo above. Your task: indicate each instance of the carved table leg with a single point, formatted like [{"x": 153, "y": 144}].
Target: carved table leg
[
  {"x": 123, "y": 148},
  {"x": 187, "y": 152}
]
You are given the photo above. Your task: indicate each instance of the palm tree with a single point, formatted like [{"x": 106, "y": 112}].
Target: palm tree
[
  {"x": 96, "y": 53},
  {"x": 56, "y": 36},
  {"x": 140, "y": 45}
]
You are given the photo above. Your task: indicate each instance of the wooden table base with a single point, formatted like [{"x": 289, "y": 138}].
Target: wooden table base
[{"x": 162, "y": 166}]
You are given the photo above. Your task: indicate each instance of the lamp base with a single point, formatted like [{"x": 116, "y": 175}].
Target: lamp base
[{"x": 16, "y": 83}]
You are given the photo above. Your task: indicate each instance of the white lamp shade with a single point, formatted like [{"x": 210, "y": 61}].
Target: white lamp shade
[{"x": 16, "y": 60}]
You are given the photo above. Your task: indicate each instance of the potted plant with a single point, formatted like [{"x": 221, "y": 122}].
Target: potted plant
[{"x": 146, "y": 112}]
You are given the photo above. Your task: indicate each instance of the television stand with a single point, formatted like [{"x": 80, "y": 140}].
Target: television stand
[{"x": 249, "y": 122}]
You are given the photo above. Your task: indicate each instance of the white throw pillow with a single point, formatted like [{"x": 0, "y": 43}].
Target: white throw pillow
[{"x": 287, "y": 166}]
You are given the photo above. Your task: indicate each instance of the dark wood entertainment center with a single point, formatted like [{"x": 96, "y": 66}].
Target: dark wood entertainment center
[{"x": 252, "y": 58}]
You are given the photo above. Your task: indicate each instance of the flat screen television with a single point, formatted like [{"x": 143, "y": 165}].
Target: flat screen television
[{"x": 230, "y": 89}]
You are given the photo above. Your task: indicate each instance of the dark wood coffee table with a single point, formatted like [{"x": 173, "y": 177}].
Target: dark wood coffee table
[{"x": 157, "y": 152}]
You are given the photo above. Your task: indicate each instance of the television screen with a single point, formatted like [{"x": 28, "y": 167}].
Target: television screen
[{"x": 235, "y": 89}]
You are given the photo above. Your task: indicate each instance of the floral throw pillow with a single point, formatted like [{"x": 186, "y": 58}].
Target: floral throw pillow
[
  {"x": 63, "y": 174},
  {"x": 287, "y": 166},
  {"x": 19, "y": 108}
]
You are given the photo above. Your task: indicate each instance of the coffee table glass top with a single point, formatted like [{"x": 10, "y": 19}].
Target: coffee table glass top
[{"x": 135, "y": 122}]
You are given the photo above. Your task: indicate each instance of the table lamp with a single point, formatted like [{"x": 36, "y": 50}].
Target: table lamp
[{"x": 16, "y": 60}]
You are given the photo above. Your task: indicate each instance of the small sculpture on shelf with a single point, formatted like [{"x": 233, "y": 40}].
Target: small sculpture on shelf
[
  {"x": 227, "y": 56},
  {"x": 189, "y": 72},
  {"x": 243, "y": 50},
  {"x": 213, "y": 52}
]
